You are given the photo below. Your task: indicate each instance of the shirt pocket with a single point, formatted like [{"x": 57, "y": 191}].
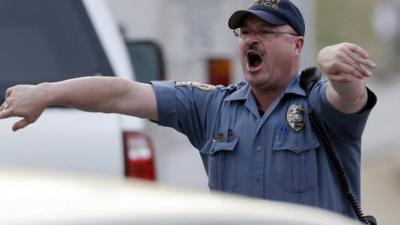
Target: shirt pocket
[
  {"x": 219, "y": 165},
  {"x": 295, "y": 161}
]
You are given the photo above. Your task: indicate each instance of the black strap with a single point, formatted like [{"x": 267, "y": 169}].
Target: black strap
[{"x": 308, "y": 78}]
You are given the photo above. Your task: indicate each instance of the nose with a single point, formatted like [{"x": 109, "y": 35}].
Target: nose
[
  {"x": 252, "y": 40},
  {"x": 253, "y": 46},
  {"x": 253, "y": 37}
]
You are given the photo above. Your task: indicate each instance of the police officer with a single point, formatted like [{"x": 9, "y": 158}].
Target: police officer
[{"x": 254, "y": 137}]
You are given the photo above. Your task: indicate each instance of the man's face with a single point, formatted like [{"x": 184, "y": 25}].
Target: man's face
[{"x": 269, "y": 59}]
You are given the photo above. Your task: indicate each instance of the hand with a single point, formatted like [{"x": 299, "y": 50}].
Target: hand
[
  {"x": 26, "y": 101},
  {"x": 345, "y": 62}
]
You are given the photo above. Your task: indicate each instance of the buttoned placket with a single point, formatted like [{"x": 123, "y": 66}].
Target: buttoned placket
[
  {"x": 259, "y": 153},
  {"x": 258, "y": 161},
  {"x": 259, "y": 149},
  {"x": 260, "y": 144}
]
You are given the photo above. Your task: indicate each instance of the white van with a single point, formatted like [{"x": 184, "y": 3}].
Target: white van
[{"x": 47, "y": 40}]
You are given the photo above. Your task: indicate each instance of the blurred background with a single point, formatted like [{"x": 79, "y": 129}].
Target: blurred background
[{"x": 201, "y": 30}]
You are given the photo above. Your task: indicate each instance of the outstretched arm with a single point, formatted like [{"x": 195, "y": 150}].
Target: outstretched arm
[
  {"x": 346, "y": 66},
  {"x": 93, "y": 94}
]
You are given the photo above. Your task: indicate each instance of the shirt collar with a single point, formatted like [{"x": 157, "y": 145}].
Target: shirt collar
[
  {"x": 294, "y": 87},
  {"x": 241, "y": 94},
  {"x": 244, "y": 92}
]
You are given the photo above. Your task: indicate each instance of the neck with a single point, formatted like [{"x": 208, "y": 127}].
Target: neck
[
  {"x": 265, "y": 96},
  {"x": 265, "y": 99}
]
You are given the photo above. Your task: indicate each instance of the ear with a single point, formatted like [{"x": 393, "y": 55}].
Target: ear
[{"x": 298, "y": 44}]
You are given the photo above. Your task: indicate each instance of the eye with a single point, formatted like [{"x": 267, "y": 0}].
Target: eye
[
  {"x": 244, "y": 31},
  {"x": 266, "y": 32}
]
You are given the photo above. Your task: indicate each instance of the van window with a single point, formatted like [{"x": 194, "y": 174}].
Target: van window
[
  {"x": 147, "y": 60},
  {"x": 47, "y": 40}
]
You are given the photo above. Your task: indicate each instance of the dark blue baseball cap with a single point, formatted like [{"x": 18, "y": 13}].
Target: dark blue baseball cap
[{"x": 275, "y": 12}]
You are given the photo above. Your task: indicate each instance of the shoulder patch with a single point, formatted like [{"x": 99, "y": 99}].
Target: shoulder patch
[
  {"x": 234, "y": 87},
  {"x": 193, "y": 84}
]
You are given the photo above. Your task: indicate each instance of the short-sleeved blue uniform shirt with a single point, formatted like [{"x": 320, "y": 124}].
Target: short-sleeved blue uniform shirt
[{"x": 263, "y": 155}]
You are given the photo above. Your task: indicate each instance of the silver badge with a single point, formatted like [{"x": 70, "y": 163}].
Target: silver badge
[{"x": 295, "y": 117}]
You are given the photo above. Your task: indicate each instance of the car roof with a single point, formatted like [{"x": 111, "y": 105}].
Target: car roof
[{"x": 30, "y": 198}]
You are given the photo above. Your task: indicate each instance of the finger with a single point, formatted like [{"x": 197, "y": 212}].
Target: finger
[
  {"x": 367, "y": 63},
  {"x": 367, "y": 71},
  {"x": 355, "y": 60},
  {"x": 359, "y": 59},
  {"x": 5, "y": 113},
  {"x": 357, "y": 49},
  {"x": 347, "y": 59},
  {"x": 8, "y": 92},
  {"x": 348, "y": 69},
  {"x": 20, "y": 124}
]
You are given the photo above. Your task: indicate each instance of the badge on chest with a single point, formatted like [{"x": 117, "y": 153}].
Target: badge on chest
[{"x": 295, "y": 117}]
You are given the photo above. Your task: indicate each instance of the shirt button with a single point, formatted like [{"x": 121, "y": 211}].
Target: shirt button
[
  {"x": 258, "y": 179},
  {"x": 258, "y": 149}
]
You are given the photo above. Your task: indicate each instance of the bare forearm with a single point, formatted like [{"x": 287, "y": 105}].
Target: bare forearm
[
  {"x": 347, "y": 97},
  {"x": 103, "y": 94},
  {"x": 87, "y": 93}
]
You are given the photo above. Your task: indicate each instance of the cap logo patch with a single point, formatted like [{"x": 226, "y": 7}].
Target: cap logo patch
[{"x": 269, "y": 3}]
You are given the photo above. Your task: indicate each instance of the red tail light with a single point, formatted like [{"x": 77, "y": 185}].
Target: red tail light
[{"x": 139, "y": 156}]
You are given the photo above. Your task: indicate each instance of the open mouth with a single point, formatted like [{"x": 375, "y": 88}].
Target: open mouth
[{"x": 254, "y": 59}]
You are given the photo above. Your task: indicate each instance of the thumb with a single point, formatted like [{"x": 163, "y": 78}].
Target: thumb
[{"x": 20, "y": 124}]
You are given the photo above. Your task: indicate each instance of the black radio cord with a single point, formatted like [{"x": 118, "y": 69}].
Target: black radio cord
[
  {"x": 308, "y": 78},
  {"x": 344, "y": 180}
]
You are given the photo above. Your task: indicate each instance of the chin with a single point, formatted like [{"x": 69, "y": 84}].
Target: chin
[
  {"x": 255, "y": 75},
  {"x": 254, "y": 79}
]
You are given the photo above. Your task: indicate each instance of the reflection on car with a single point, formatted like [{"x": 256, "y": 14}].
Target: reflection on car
[{"x": 42, "y": 198}]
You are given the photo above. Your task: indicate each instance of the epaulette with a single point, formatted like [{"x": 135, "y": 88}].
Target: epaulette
[
  {"x": 235, "y": 87},
  {"x": 208, "y": 87},
  {"x": 193, "y": 84}
]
